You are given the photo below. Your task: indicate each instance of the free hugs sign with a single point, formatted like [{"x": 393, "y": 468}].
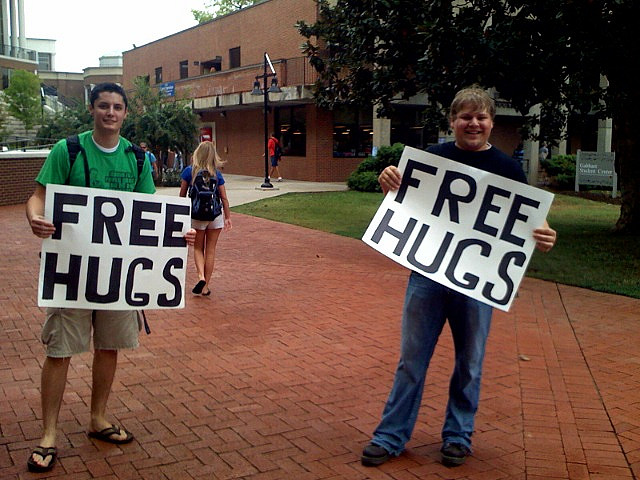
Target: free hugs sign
[
  {"x": 467, "y": 229},
  {"x": 113, "y": 250}
]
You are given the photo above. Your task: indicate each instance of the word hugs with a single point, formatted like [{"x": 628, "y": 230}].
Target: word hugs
[
  {"x": 464, "y": 228},
  {"x": 113, "y": 250}
]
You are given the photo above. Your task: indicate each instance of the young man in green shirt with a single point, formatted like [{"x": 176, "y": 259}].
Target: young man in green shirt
[{"x": 106, "y": 158}]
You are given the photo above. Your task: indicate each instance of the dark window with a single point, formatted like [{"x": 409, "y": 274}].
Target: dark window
[
  {"x": 159, "y": 75},
  {"x": 5, "y": 77},
  {"x": 184, "y": 69},
  {"x": 144, "y": 78},
  {"x": 293, "y": 130},
  {"x": 234, "y": 57},
  {"x": 211, "y": 66},
  {"x": 352, "y": 132},
  {"x": 407, "y": 127}
]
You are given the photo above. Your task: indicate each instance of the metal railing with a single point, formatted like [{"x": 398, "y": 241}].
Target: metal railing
[
  {"x": 299, "y": 71},
  {"x": 22, "y": 143},
  {"x": 17, "y": 52}
]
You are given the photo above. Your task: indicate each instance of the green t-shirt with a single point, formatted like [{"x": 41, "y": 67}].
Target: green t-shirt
[{"x": 108, "y": 171}]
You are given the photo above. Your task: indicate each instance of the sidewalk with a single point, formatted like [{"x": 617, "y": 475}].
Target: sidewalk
[
  {"x": 283, "y": 372},
  {"x": 245, "y": 189}
]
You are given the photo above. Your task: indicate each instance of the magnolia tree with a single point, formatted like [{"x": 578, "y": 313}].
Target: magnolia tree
[{"x": 548, "y": 53}]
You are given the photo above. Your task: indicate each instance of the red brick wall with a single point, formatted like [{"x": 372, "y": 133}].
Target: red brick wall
[
  {"x": 240, "y": 141},
  {"x": 17, "y": 176}
]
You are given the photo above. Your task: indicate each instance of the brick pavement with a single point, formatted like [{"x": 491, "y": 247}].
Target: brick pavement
[{"x": 283, "y": 372}]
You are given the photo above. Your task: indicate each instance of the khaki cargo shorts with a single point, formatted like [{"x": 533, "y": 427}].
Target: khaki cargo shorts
[{"x": 67, "y": 331}]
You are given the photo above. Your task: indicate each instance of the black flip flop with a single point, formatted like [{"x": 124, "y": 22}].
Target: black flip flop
[
  {"x": 105, "y": 435},
  {"x": 44, "y": 452},
  {"x": 199, "y": 286}
]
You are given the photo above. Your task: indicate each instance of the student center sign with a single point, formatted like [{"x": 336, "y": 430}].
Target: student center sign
[{"x": 596, "y": 169}]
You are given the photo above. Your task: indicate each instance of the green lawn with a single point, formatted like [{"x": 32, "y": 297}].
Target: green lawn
[{"x": 587, "y": 254}]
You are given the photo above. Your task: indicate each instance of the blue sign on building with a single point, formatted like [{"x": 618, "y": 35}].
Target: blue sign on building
[{"x": 167, "y": 89}]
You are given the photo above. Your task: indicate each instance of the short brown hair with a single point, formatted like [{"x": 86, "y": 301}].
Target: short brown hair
[{"x": 474, "y": 96}]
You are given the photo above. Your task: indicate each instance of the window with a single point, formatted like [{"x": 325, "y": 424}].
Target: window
[
  {"x": 144, "y": 78},
  {"x": 352, "y": 132},
  {"x": 44, "y": 61},
  {"x": 159, "y": 75},
  {"x": 211, "y": 66},
  {"x": 184, "y": 69},
  {"x": 234, "y": 57},
  {"x": 407, "y": 127},
  {"x": 5, "y": 78},
  {"x": 293, "y": 130}
]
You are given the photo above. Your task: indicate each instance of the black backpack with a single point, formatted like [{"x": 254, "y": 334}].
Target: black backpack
[
  {"x": 74, "y": 147},
  {"x": 205, "y": 197}
]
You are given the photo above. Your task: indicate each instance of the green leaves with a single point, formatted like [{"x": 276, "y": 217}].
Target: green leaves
[
  {"x": 162, "y": 124},
  {"x": 23, "y": 97},
  {"x": 218, "y": 8}
]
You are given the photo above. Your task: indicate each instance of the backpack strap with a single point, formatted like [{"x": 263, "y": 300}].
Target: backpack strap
[
  {"x": 140, "y": 155},
  {"x": 73, "y": 148}
]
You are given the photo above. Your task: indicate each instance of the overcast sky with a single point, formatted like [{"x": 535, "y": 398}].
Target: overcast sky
[{"x": 85, "y": 30}]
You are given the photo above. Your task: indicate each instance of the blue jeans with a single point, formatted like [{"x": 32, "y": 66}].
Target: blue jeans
[{"x": 427, "y": 306}]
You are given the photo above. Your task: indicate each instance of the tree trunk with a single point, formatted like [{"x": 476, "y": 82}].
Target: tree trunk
[{"x": 626, "y": 143}]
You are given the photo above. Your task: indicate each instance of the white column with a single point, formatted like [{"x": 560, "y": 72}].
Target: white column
[
  {"x": 561, "y": 149},
  {"x": 381, "y": 130},
  {"x": 531, "y": 148},
  {"x": 5, "y": 27},
  {"x": 14, "y": 27},
  {"x": 605, "y": 127},
  {"x": 22, "y": 36}
]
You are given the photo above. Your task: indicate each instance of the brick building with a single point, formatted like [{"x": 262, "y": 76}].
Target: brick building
[{"x": 215, "y": 65}]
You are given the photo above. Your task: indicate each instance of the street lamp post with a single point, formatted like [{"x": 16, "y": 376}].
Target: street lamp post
[{"x": 265, "y": 94}]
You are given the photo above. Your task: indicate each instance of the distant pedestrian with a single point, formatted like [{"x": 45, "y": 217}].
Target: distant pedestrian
[
  {"x": 275, "y": 155},
  {"x": 518, "y": 154},
  {"x": 543, "y": 153},
  {"x": 152, "y": 159}
]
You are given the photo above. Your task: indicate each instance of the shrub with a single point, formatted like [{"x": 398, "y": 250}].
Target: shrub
[
  {"x": 365, "y": 177},
  {"x": 171, "y": 178},
  {"x": 364, "y": 181},
  {"x": 561, "y": 170}
]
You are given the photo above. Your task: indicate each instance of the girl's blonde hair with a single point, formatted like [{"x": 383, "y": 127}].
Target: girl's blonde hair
[{"x": 205, "y": 158}]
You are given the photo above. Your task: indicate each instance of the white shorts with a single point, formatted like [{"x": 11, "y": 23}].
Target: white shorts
[{"x": 218, "y": 222}]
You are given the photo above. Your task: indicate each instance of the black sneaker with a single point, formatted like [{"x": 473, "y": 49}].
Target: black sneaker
[
  {"x": 454, "y": 454},
  {"x": 374, "y": 455}
]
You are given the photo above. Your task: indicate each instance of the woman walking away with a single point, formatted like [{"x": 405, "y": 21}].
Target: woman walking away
[{"x": 204, "y": 183}]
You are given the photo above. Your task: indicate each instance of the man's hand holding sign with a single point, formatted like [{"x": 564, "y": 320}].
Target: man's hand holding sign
[
  {"x": 391, "y": 178},
  {"x": 463, "y": 227},
  {"x": 463, "y": 218},
  {"x": 113, "y": 250}
]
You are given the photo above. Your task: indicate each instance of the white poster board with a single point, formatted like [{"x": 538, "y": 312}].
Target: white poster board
[
  {"x": 113, "y": 250},
  {"x": 462, "y": 227}
]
